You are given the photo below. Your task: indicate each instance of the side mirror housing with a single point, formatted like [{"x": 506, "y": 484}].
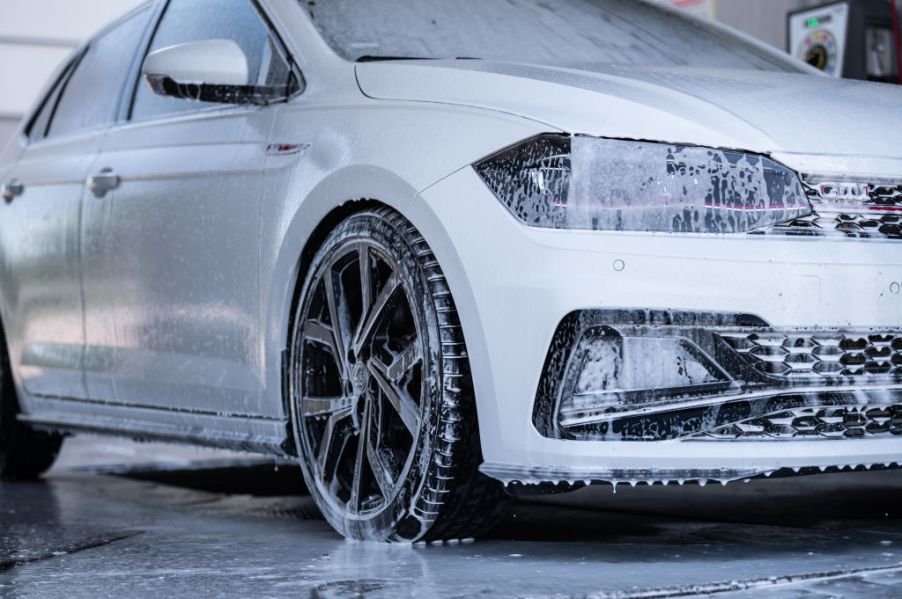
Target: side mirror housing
[{"x": 207, "y": 71}]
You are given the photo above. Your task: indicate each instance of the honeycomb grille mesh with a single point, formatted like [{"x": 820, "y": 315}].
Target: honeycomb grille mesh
[
  {"x": 850, "y": 422},
  {"x": 887, "y": 196},
  {"x": 888, "y": 226},
  {"x": 820, "y": 356},
  {"x": 879, "y": 217}
]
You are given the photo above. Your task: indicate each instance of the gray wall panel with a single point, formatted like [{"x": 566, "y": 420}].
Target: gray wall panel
[{"x": 8, "y": 127}]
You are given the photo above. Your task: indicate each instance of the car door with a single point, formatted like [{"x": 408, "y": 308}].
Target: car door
[
  {"x": 40, "y": 223},
  {"x": 171, "y": 246}
]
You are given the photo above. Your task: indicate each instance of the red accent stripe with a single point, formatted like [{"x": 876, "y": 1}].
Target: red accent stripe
[
  {"x": 283, "y": 149},
  {"x": 744, "y": 208}
]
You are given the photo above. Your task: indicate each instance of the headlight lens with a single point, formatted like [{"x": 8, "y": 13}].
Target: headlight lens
[{"x": 596, "y": 184}]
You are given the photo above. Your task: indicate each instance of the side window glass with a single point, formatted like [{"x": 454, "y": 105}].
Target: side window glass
[
  {"x": 37, "y": 129},
  {"x": 199, "y": 20},
  {"x": 90, "y": 98}
]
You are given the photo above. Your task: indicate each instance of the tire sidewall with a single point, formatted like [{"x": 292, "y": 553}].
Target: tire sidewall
[{"x": 8, "y": 409}]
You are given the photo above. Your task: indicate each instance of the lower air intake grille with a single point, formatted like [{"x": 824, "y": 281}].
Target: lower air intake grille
[
  {"x": 647, "y": 375},
  {"x": 853, "y": 422},
  {"x": 826, "y": 356}
]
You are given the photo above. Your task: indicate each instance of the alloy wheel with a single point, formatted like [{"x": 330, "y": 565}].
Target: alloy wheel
[{"x": 358, "y": 377}]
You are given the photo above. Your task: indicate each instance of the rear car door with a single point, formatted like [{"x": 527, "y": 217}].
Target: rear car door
[
  {"x": 172, "y": 306},
  {"x": 40, "y": 222}
]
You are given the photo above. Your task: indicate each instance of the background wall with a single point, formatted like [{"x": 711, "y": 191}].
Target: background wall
[
  {"x": 37, "y": 35},
  {"x": 764, "y": 19}
]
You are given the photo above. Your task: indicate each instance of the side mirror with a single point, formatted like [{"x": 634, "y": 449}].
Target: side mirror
[{"x": 207, "y": 71}]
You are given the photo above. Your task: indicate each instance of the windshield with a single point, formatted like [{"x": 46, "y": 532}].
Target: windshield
[{"x": 564, "y": 33}]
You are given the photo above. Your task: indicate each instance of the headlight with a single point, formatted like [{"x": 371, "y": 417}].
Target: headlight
[{"x": 588, "y": 183}]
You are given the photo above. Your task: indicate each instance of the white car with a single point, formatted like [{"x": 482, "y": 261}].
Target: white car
[{"x": 444, "y": 252}]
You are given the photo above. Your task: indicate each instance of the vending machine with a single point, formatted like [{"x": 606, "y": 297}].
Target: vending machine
[{"x": 855, "y": 39}]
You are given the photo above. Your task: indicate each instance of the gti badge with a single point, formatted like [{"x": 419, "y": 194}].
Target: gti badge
[{"x": 844, "y": 192}]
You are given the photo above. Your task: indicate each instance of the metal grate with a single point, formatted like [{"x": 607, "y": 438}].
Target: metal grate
[
  {"x": 823, "y": 355},
  {"x": 850, "y": 422},
  {"x": 887, "y": 196},
  {"x": 879, "y": 215},
  {"x": 888, "y": 226}
]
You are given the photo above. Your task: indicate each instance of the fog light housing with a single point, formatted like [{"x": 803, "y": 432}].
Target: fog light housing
[
  {"x": 614, "y": 372},
  {"x": 658, "y": 375}
]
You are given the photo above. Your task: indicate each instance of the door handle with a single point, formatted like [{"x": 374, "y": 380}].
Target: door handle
[
  {"x": 104, "y": 182},
  {"x": 12, "y": 189}
]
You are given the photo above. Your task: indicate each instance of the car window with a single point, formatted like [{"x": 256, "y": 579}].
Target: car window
[
  {"x": 198, "y": 20},
  {"x": 90, "y": 97},
  {"x": 579, "y": 34},
  {"x": 37, "y": 129}
]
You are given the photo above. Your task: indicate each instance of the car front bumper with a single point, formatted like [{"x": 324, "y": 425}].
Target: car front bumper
[{"x": 514, "y": 286}]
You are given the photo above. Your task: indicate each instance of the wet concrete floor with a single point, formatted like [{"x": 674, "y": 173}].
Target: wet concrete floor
[{"x": 116, "y": 519}]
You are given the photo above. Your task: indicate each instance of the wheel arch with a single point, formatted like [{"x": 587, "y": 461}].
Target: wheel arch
[{"x": 342, "y": 194}]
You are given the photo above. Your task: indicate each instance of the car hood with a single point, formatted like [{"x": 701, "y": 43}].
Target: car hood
[{"x": 811, "y": 121}]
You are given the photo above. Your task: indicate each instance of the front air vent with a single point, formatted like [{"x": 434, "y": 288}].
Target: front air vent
[
  {"x": 716, "y": 376},
  {"x": 857, "y": 208},
  {"x": 831, "y": 422},
  {"x": 828, "y": 356}
]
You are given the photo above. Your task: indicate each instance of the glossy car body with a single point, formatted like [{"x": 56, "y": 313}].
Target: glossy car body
[{"x": 162, "y": 308}]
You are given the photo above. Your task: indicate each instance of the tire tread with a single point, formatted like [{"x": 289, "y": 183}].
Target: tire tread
[{"x": 463, "y": 502}]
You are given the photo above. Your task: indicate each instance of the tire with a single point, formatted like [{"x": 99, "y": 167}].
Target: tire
[
  {"x": 386, "y": 431},
  {"x": 25, "y": 454}
]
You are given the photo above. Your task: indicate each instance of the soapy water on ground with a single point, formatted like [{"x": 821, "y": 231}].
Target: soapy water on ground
[{"x": 122, "y": 519}]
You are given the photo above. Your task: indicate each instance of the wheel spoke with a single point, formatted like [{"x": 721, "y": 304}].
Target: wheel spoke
[
  {"x": 371, "y": 319},
  {"x": 324, "y": 335},
  {"x": 313, "y": 407},
  {"x": 404, "y": 361},
  {"x": 339, "y": 324},
  {"x": 403, "y": 405},
  {"x": 366, "y": 281},
  {"x": 385, "y": 479},
  {"x": 362, "y": 440},
  {"x": 328, "y": 446}
]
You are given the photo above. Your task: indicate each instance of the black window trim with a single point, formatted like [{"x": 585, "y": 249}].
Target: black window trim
[
  {"x": 133, "y": 79},
  {"x": 128, "y": 104},
  {"x": 53, "y": 94},
  {"x": 282, "y": 47},
  {"x": 75, "y": 64},
  {"x": 62, "y": 82}
]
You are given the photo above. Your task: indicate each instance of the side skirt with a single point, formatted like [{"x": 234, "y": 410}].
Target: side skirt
[{"x": 256, "y": 435}]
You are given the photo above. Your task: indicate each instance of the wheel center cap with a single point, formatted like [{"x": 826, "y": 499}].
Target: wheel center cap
[{"x": 360, "y": 379}]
